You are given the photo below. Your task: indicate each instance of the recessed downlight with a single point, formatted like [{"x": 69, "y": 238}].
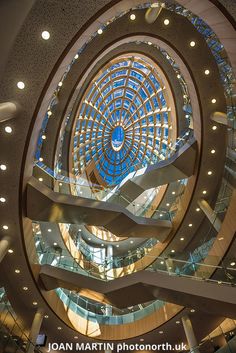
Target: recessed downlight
[
  {"x": 35, "y": 303},
  {"x": 182, "y": 238},
  {"x": 59, "y": 328},
  {"x": 192, "y": 43},
  {"x": 40, "y": 179},
  {"x": 8, "y": 129},
  {"x": 25, "y": 288},
  {"x": 233, "y": 263},
  {"x": 207, "y": 72},
  {"x": 11, "y": 251},
  {"x": 2, "y": 199},
  {"x": 20, "y": 85},
  {"x": 204, "y": 192},
  {"x": 60, "y": 84},
  {"x": 192, "y": 310},
  {"x": 100, "y": 31},
  {"x": 76, "y": 56},
  {"x": 46, "y": 316},
  {"x": 49, "y": 230},
  {"x": 40, "y": 159},
  {"x": 3, "y": 166},
  {"x": 166, "y": 22},
  {"x": 209, "y": 172},
  {"x": 132, "y": 17},
  {"x": 149, "y": 43},
  {"x": 17, "y": 270},
  {"x": 55, "y": 244},
  {"x": 45, "y": 35},
  {"x": 197, "y": 209},
  {"x": 190, "y": 225},
  {"x": 5, "y": 227},
  {"x": 44, "y": 137},
  {"x": 213, "y": 151},
  {"x": 213, "y": 101}
]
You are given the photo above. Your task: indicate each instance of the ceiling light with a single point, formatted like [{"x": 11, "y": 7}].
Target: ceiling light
[
  {"x": 10, "y": 251},
  {"x": 206, "y": 72},
  {"x": 40, "y": 179},
  {"x": 177, "y": 322},
  {"x": 20, "y": 85},
  {"x": 141, "y": 339},
  {"x": 79, "y": 230},
  {"x": 100, "y": 31},
  {"x": 213, "y": 101},
  {"x": 25, "y": 288},
  {"x": 76, "y": 56},
  {"x": 132, "y": 17},
  {"x": 190, "y": 225},
  {"x": 182, "y": 239},
  {"x": 178, "y": 76},
  {"x": 3, "y": 167},
  {"x": 192, "y": 44},
  {"x": 40, "y": 159},
  {"x": 49, "y": 230},
  {"x": 46, "y": 316},
  {"x": 17, "y": 271},
  {"x": 75, "y": 337},
  {"x": 131, "y": 241},
  {"x": 204, "y": 192},
  {"x": 161, "y": 332},
  {"x": 8, "y": 129},
  {"x": 5, "y": 227},
  {"x": 45, "y": 35},
  {"x": 89, "y": 238},
  {"x": 49, "y": 113},
  {"x": 117, "y": 245},
  {"x": 2, "y": 199},
  {"x": 232, "y": 263},
  {"x": 221, "y": 238},
  {"x": 197, "y": 209},
  {"x": 173, "y": 192},
  {"x": 213, "y": 151},
  {"x": 149, "y": 43},
  {"x": 162, "y": 262},
  {"x": 59, "y": 328},
  {"x": 35, "y": 303},
  {"x": 167, "y": 204},
  {"x": 214, "y": 127},
  {"x": 192, "y": 310},
  {"x": 60, "y": 184},
  {"x": 55, "y": 244},
  {"x": 209, "y": 172},
  {"x": 102, "y": 244},
  {"x": 166, "y": 22},
  {"x": 60, "y": 84},
  {"x": 44, "y": 137},
  {"x": 172, "y": 250}
]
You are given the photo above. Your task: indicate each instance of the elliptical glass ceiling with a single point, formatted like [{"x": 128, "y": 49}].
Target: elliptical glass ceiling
[{"x": 124, "y": 120}]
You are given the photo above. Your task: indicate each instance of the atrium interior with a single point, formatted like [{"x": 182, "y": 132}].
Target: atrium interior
[{"x": 117, "y": 173}]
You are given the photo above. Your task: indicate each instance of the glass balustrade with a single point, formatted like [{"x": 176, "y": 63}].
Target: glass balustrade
[{"x": 13, "y": 338}]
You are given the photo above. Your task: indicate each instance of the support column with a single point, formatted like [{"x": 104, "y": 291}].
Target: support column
[
  {"x": 188, "y": 329},
  {"x": 35, "y": 329},
  {"x": 210, "y": 214},
  {"x": 7, "y": 111},
  {"x": 220, "y": 118},
  {"x": 108, "y": 312},
  {"x": 4, "y": 246},
  {"x": 169, "y": 265},
  {"x": 109, "y": 256}
]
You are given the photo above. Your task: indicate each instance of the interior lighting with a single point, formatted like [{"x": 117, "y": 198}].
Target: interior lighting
[
  {"x": 59, "y": 328},
  {"x": 192, "y": 310},
  {"x": 5, "y": 227},
  {"x": 213, "y": 151},
  {"x": 167, "y": 204},
  {"x": 197, "y": 209},
  {"x": 102, "y": 244},
  {"x": 49, "y": 113},
  {"x": 3, "y": 167},
  {"x": 17, "y": 270},
  {"x": 190, "y": 225},
  {"x": 75, "y": 337},
  {"x": 20, "y": 85},
  {"x": 44, "y": 137},
  {"x": 35, "y": 303},
  {"x": 132, "y": 17},
  {"x": 40, "y": 179},
  {"x": 131, "y": 241},
  {"x": 213, "y": 100},
  {"x": 204, "y": 192},
  {"x": 55, "y": 244},
  {"x": 46, "y": 316},
  {"x": 25, "y": 288},
  {"x": 232, "y": 263},
  {"x": 166, "y": 22},
  {"x": 173, "y": 192},
  {"x": 10, "y": 251},
  {"x": 192, "y": 44},
  {"x": 49, "y": 230},
  {"x": 209, "y": 172},
  {"x": 177, "y": 322},
  {"x": 100, "y": 31},
  {"x": 207, "y": 72},
  {"x": 8, "y": 129},
  {"x": 40, "y": 159},
  {"x": 161, "y": 332},
  {"x": 172, "y": 250},
  {"x": 45, "y": 35},
  {"x": 149, "y": 43},
  {"x": 182, "y": 239},
  {"x": 2, "y": 199},
  {"x": 76, "y": 56},
  {"x": 214, "y": 127},
  {"x": 60, "y": 84}
]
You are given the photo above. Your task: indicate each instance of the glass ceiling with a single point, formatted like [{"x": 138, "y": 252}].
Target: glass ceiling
[{"x": 124, "y": 121}]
